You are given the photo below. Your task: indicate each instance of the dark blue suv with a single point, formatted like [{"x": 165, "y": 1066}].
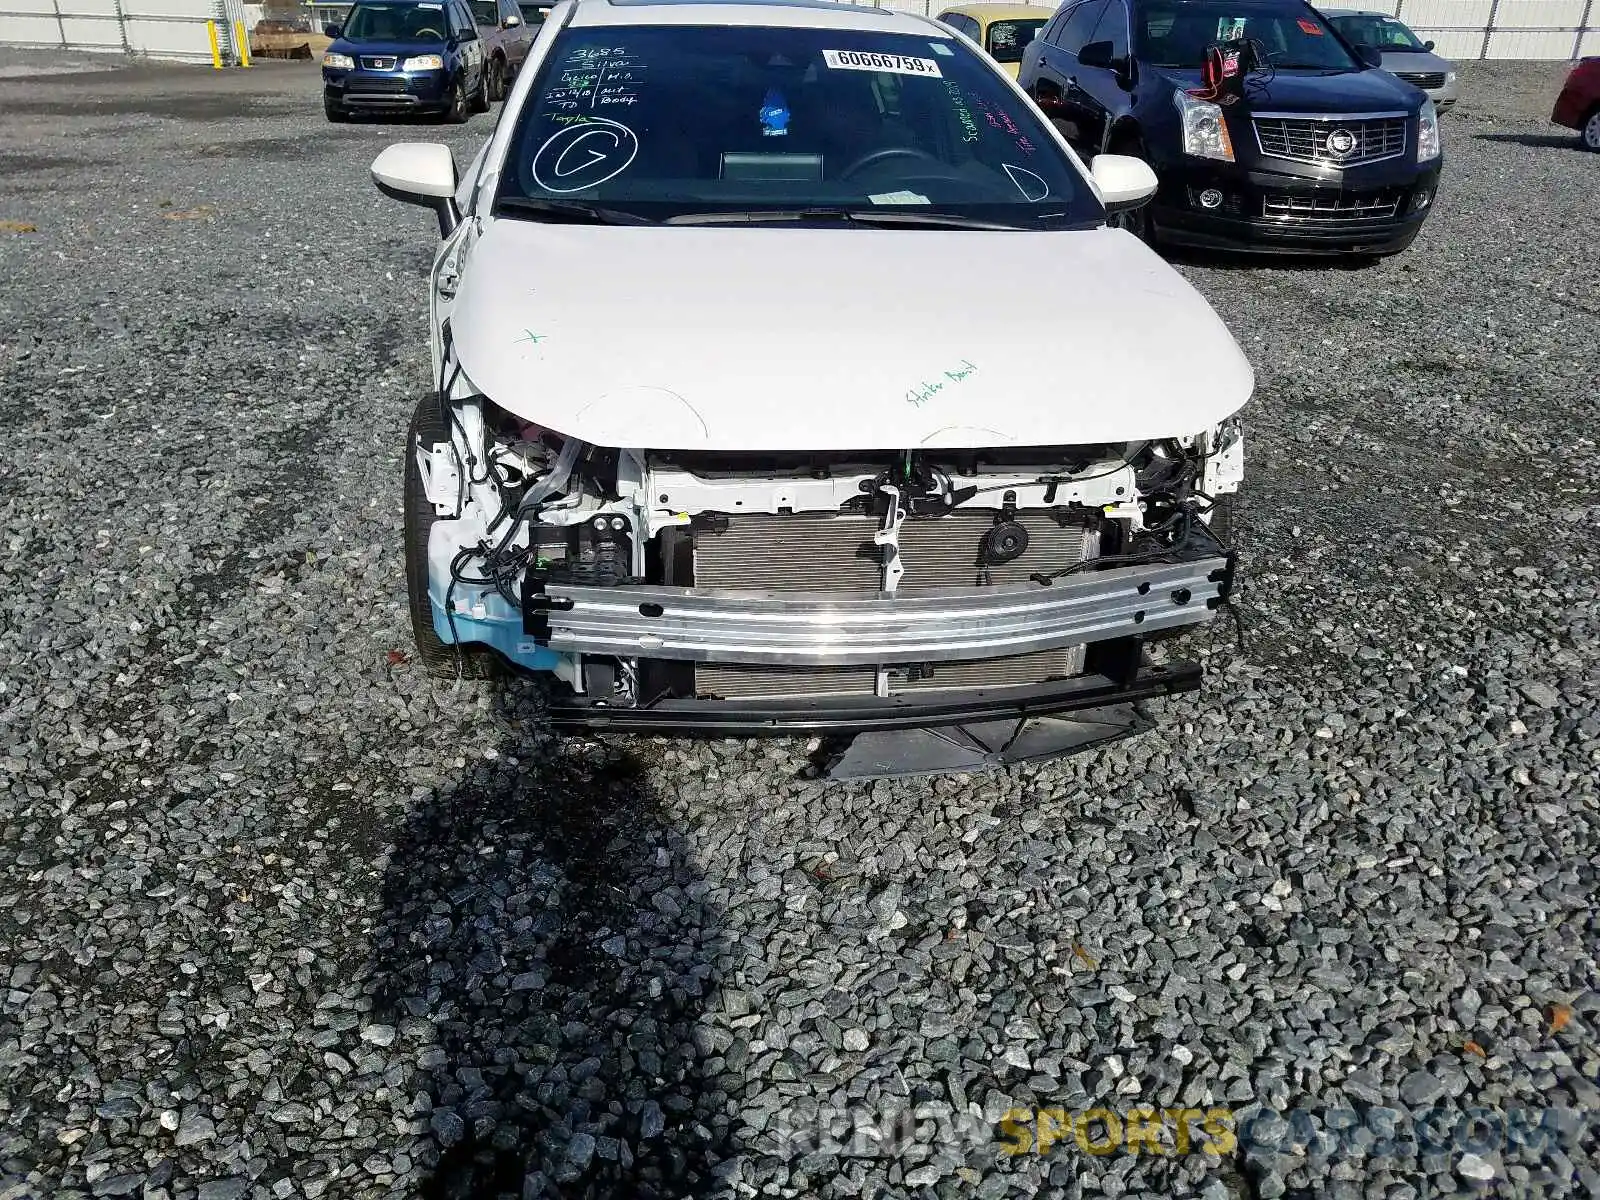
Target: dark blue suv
[{"x": 420, "y": 56}]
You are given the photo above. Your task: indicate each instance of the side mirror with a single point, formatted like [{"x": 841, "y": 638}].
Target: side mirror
[
  {"x": 1124, "y": 182},
  {"x": 420, "y": 173},
  {"x": 333, "y": 31},
  {"x": 1370, "y": 55},
  {"x": 1428, "y": 45},
  {"x": 511, "y": 22}
]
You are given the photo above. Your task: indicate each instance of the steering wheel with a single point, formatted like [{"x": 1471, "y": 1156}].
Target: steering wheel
[
  {"x": 429, "y": 32},
  {"x": 873, "y": 157}
]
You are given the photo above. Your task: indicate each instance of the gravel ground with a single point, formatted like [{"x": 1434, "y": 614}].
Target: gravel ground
[{"x": 279, "y": 917}]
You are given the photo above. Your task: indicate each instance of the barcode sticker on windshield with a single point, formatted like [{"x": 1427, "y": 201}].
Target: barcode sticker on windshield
[{"x": 897, "y": 64}]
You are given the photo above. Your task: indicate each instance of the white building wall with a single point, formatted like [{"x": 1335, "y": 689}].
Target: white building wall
[{"x": 1462, "y": 29}]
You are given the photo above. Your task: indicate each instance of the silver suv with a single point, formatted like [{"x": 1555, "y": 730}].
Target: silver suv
[{"x": 1404, "y": 53}]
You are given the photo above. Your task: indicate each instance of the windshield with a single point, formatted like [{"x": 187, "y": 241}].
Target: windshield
[
  {"x": 395, "y": 23},
  {"x": 672, "y": 121},
  {"x": 1384, "y": 33},
  {"x": 1177, "y": 34},
  {"x": 1008, "y": 39}
]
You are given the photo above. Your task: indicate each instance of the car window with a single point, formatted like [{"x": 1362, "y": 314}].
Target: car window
[
  {"x": 1176, "y": 33},
  {"x": 1385, "y": 33},
  {"x": 663, "y": 121},
  {"x": 533, "y": 15},
  {"x": 963, "y": 23},
  {"x": 486, "y": 13},
  {"x": 1113, "y": 28},
  {"x": 1007, "y": 40},
  {"x": 1080, "y": 25},
  {"x": 396, "y": 23}
]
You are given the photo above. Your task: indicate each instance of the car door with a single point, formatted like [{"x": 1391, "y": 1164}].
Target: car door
[
  {"x": 518, "y": 37},
  {"x": 464, "y": 33},
  {"x": 1055, "y": 87},
  {"x": 1103, "y": 72},
  {"x": 1033, "y": 56},
  {"x": 485, "y": 16}
]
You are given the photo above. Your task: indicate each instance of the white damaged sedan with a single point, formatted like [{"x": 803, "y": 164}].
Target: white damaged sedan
[{"x": 790, "y": 378}]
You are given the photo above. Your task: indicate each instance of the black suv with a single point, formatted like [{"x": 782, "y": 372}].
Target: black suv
[{"x": 1311, "y": 149}]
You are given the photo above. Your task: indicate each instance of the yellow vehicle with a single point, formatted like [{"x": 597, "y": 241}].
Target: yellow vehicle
[{"x": 1003, "y": 30}]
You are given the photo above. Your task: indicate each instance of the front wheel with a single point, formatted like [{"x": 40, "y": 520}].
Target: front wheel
[
  {"x": 1590, "y": 134},
  {"x": 480, "y": 96},
  {"x": 334, "y": 113},
  {"x": 436, "y": 656},
  {"x": 497, "y": 79},
  {"x": 457, "y": 113}
]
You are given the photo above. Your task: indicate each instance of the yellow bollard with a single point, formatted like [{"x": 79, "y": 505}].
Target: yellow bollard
[
  {"x": 216, "y": 50},
  {"x": 243, "y": 43}
]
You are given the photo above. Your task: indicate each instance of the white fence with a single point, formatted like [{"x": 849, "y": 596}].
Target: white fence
[
  {"x": 1462, "y": 29},
  {"x": 173, "y": 29}
]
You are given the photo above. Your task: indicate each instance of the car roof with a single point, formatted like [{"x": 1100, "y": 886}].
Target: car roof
[
  {"x": 997, "y": 12},
  {"x": 801, "y": 14}
]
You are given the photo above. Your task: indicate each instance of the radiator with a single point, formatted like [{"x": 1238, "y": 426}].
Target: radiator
[
  {"x": 819, "y": 552},
  {"x": 812, "y": 552}
]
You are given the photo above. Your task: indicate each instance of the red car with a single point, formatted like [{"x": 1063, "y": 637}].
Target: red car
[{"x": 1578, "y": 106}]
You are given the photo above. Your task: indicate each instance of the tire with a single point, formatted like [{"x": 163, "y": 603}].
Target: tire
[
  {"x": 480, "y": 98},
  {"x": 436, "y": 656},
  {"x": 497, "y": 78},
  {"x": 334, "y": 113},
  {"x": 458, "y": 112},
  {"x": 1589, "y": 135}
]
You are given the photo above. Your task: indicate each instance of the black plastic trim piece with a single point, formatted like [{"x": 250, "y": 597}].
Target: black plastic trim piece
[
  {"x": 857, "y": 714},
  {"x": 536, "y": 606}
]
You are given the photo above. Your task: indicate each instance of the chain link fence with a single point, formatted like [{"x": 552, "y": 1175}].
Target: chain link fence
[
  {"x": 167, "y": 29},
  {"x": 1462, "y": 29}
]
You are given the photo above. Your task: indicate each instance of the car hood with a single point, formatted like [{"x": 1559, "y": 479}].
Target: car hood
[
  {"x": 840, "y": 339},
  {"x": 1349, "y": 92},
  {"x": 1415, "y": 62},
  {"x": 385, "y": 48}
]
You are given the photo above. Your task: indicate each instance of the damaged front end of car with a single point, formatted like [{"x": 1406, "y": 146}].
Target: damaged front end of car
[{"x": 989, "y": 604}]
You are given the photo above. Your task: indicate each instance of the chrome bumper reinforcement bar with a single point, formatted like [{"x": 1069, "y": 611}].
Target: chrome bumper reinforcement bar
[{"x": 846, "y": 629}]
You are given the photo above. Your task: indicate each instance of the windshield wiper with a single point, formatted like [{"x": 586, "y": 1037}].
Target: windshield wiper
[
  {"x": 850, "y": 215},
  {"x": 568, "y": 212}
]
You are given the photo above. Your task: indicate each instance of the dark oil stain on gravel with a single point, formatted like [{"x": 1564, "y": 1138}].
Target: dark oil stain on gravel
[
  {"x": 1539, "y": 141},
  {"x": 12, "y": 165},
  {"x": 524, "y": 919},
  {"x": 183, "y": 108},
  {"x": 266, "y": 149}
]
